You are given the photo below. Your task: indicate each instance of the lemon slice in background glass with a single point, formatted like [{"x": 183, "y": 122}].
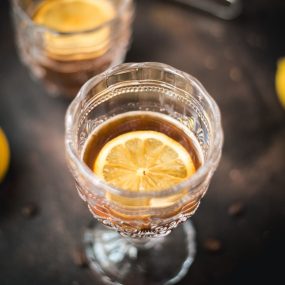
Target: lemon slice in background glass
[
  {"x": 280, "y": 81},
  {"x": 4, "y": 155},
  {"x": 75, "y": 17}
]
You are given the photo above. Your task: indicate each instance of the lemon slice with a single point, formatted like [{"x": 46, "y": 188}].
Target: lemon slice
[
  {"x": 143, "y": 161},
  {"x": 75, "y": 16},
  {"x": 4, "y": 155}
]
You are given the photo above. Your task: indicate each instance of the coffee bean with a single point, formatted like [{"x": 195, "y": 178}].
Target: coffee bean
[
  {"x": 236, "y": 209},
  {"x": 212, "y": 245},
  {"x": 79, "y": 258},
  {"x": 29, "y": 210}
]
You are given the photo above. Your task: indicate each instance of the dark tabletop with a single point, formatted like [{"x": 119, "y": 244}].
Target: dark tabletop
[{"x": 241, "y": 221}]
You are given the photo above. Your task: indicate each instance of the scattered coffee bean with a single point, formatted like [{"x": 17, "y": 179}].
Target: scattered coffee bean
[
  {"x": 79, "y": 258},
  {"x": 237, "y": 177},
  {"x": 30, "y": 210},
  {"x": 235, "y": 74},
  {"x": 236, "y": 209},
  {"x": 213, "y": 245}
]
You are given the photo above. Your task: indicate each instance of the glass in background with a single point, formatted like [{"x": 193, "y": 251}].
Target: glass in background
[
  {"x": 65, "y": 42},
  {"x": 224, "y": 9}
]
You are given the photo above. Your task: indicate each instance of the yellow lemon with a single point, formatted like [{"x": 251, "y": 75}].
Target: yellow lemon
[
  {"x": 280, "y": 81},
  {"x": 4, "y": 155}
]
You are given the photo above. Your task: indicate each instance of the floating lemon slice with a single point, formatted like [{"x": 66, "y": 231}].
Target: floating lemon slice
[
  {"x": 143, "y": 161},
  {"x": 4, "y": 155}
]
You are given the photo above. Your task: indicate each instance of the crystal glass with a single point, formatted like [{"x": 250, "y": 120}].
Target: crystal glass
[
  {"x": 64, "y": 61},
  {"x": 131, "y": 244}
]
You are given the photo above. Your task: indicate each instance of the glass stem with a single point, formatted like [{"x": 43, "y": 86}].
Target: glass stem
[{"x": 145, "y": 243}]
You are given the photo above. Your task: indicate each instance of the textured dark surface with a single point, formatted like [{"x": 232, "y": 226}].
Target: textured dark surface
[{"x": 41, "y": 215}]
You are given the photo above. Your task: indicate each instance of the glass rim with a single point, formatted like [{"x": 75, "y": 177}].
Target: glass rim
[
  {"x": 192, "y": 182},
  {"x": 43, "y": 28}
]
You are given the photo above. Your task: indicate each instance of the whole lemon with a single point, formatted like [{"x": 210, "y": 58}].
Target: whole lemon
[
  {"x": 4, "y": 155},
  {"x": 280, "y": 81}
]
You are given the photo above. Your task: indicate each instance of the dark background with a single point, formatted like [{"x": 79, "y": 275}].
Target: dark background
[{"x": 41, "y": 216}]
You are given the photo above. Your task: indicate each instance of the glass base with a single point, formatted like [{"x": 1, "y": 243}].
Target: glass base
[{"x": 118, "y": 260}]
